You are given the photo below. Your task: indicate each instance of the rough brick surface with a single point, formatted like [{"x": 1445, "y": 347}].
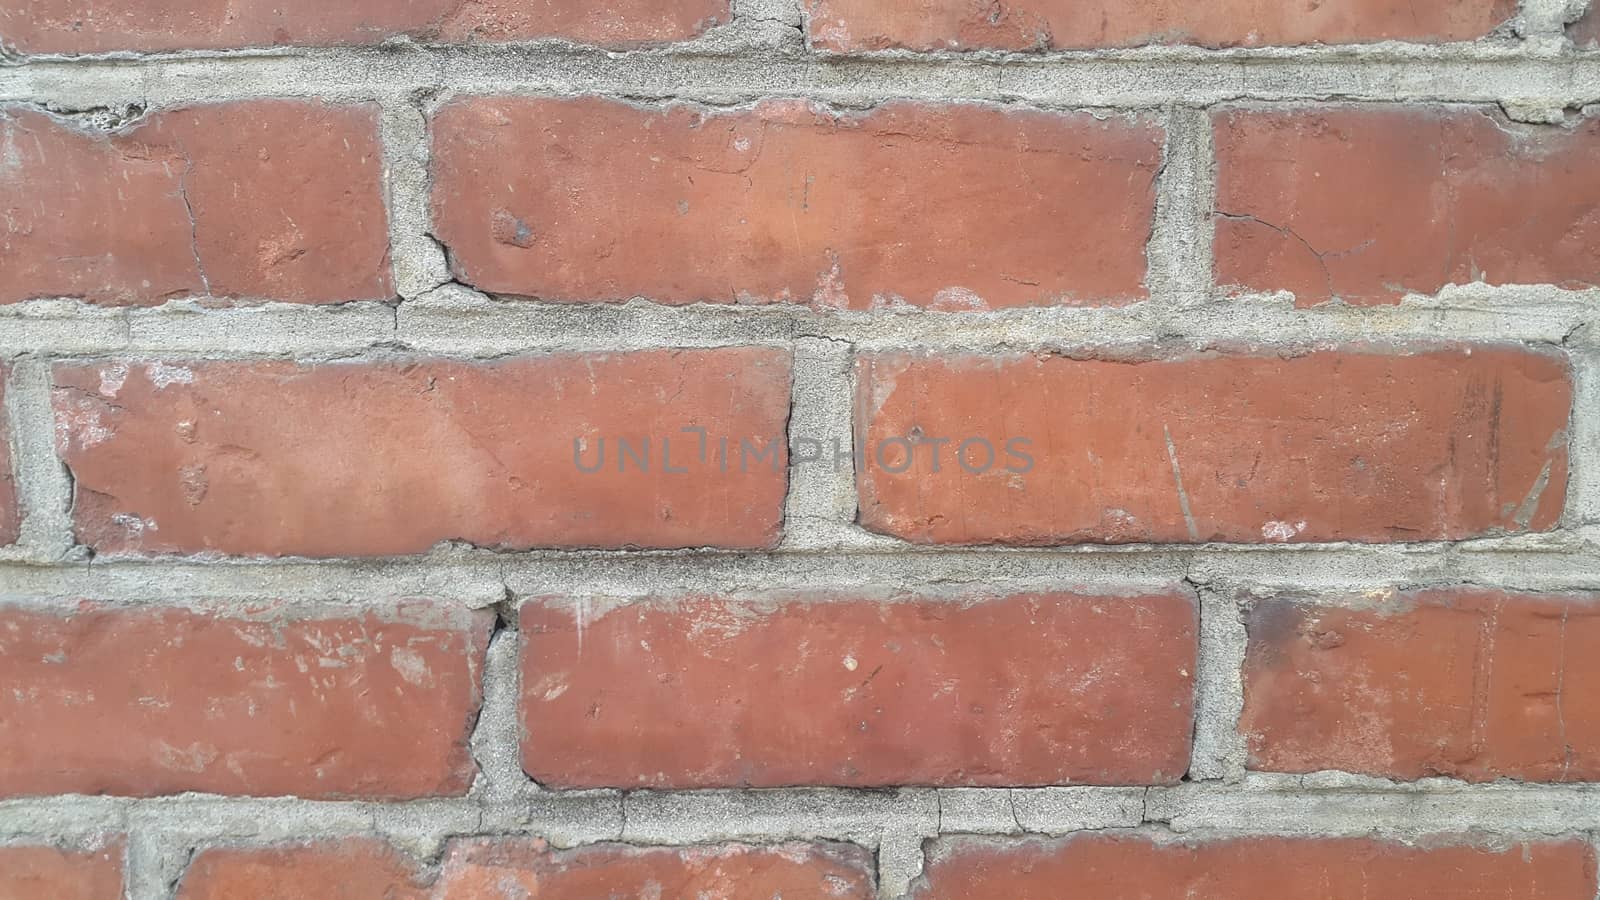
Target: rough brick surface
[
  {"x": 593, "y": 199},
  {"x": 1585, "y": 32},
  {"x": 10, "y": 514},
  {"x": 148, "y": 701},
  {"x": 853, "y": 25},
  {"x": 528, "y": 868},
  {"x": 95, "y": 26},
  {"x": 267, "y": 200},
  {"x": 375, "y": 459},
  {"x": 1470, "y": 684},
  {"x": 1349, "y": 444},
  {"x": 1367, "y": 204},
  {"x": 34, "y": 873},
  {"x": 719, "y": 872},
  {"x": 1262, "y": 868},
  {"x": 702, "y": 692},
  {"x": 355, "y": 868}
]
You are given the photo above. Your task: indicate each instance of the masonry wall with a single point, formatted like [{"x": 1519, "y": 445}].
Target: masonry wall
[{"x": 818, "y": 449}]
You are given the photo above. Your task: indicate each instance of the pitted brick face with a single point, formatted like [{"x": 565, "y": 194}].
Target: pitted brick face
[
  {"x": 945, "y": 206},
  {"x": 858, "y": 25},
  {"x": 1254, "y": 868},
  {"x": 99, "y": 26},
  {"x": 151, "y": 701},
  {"x": 1352, "y": 444},
  {"x": 707, "y": 692},
  {"x": 527, "y": 867},
  {"x": 379, "y": 459},
  {"x": 1366, "y": 205},
  {"x": 1467, "y": 684},
  {"x": 28, "y": 872},
  {"x": 257, "y": 200}
]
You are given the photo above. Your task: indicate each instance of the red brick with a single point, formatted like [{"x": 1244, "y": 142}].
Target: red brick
[
  {"x": 855, "y": 25},
  {"x": 707, "y": 692},
  {"x": 354, "y": 868},
  {"x": 527, "y": 867},
  {"x": 32, "y": 873},
  {"x": 374, "y": 459},
  {"x": 1255, "y": 868},
  {"x": 595, "y": 199},
  {"x": 149, "y": 701},
  {"x": 486, "y": 868},
  {"x": 10, "y": 514},
  {"x": 269, "y": 200},
  {"x": 1357, "y": 443},
  {"x": 96, "y": 26},
  {"x": 1366, "y": 204},
  {"x": 1469, "y": 684}
]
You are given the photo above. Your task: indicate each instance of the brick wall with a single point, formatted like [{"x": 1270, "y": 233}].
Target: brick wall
[{"x": 817, "y": 448}]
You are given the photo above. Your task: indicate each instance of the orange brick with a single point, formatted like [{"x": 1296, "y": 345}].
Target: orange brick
[
  {"x": 379, "y": 459},
  {"x": 594, "y": 199},
  {"x": 705, "y": 692},
  {"x": 1367, "y": 204},
  {"x": 855, "y": 25},
  {"x": 1469, "y": 684},
  {"x": 146, "y": 701},
  {"x": 1354, "y": 443},
  {"x": 1255, "y": 868},
  {"x": 262, "y": 200}
]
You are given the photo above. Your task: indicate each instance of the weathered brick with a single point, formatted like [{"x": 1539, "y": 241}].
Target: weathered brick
[
  {"x": 354, "y": 867},
  {"x": 1368, "y": 204},
  {"x": 38, "y": 872},
  {"x": 97, "y": 26},
  {"x": 10, "y": 514},
  {"x": 596, "y": 199},
  {"x": 529, "y": 868},
  {"x": 709, "y": 692},
  {"x": 855, "y": 25},
  {"x": 267, "y": 200},
  {"x": 1357, "y": 443},
  {"x": 480, "y": 868},
  {"x": 372, "y": 459},
  {"x": 1255, "y": 868},
  {"x": 1585, "y": 32},
  {"x": 159, "y": 700},
  {"x": 1470, "y": 684}
]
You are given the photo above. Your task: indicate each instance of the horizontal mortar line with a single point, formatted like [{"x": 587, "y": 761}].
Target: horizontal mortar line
[
  {"x": 457, "y": 322},
  {"x": 1552, "y": 562},
  {"x": 1130, "y": 79},
  {"x": 678, "y": 817}
]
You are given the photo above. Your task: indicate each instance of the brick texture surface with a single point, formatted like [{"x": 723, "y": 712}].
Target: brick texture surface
[
  {"x": 1468, "y": 684},
  {"x": 1121, "y": 449},
  {"x": 164, "y": 700},
  {"x": 265, "y": 200},
  {"x": 528, "y": 868},
  {"x": 1063, "y": 24},
  {"x": 1367, "y": 204},
  {"x": 857, "y": 25},
  {"x": 34, "y": 872},
  {"x": 1263, "y": 868},
  {"x": 593, "y": 199},
  {"x": 708, "y": 692},
  {"x": 97, "y": 26},
  {"x": 1349, "y": 444},
  {"x": 277, "y": 459}
]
